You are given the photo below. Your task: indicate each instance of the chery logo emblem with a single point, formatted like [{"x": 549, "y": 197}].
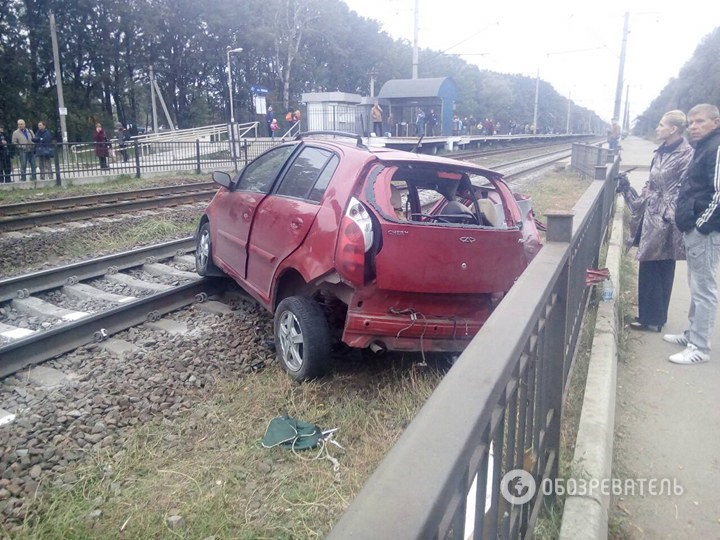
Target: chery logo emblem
[{"x": 467, "y": 239}]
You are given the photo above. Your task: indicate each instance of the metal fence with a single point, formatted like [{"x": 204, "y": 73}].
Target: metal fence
[
  {"x": 590, "y": 160},
  {"x": 140, "y": 157},
  {"x": 498, "y": 409}
]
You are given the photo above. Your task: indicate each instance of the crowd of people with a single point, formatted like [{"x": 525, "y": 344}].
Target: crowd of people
[
  {"x": 424, "y": 121},
  {"x": 35, "y": 150},
  {"x": 427, "y": 123}
]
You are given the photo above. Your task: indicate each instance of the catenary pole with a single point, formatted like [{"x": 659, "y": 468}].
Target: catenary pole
[
  {"x": 415, "y": 42},
  {"x": 621, "y": 70},
  {"x": 58, "y": 83}
]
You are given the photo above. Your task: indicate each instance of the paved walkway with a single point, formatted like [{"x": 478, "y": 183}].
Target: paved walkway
[{"x": 667, "y": 420}]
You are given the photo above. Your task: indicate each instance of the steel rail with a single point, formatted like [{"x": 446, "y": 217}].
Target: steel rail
[
  {"x": 551, "y": 158},
  {"x": 473, "y": 154},
  {"x": 37, "y": 348},
  {"x": 73, "y": 214},
  {"x": 22, "y": 286},
  {"x": 46, "y": 205}
]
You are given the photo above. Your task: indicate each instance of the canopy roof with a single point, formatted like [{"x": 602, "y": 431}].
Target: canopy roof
[{"x": 419, "y": 88}]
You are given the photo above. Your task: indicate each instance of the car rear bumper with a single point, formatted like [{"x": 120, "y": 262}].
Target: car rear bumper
[{"x": 415, "y": 322}]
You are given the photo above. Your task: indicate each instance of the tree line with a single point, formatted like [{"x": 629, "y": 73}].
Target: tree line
[
  {"x": 697, "y": 82},
  {"x": 289, "y": 47}
]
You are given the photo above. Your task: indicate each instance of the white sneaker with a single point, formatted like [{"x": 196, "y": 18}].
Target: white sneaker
[
  {"x": 691, "y": 355},
  {"x": 676, "y": 339}
]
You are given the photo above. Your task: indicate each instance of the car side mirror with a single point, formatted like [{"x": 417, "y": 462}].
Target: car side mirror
[{"x": 222, "y": 178}]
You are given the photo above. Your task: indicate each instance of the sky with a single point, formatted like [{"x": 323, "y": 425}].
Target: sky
[{"x": 574, "y": 45}]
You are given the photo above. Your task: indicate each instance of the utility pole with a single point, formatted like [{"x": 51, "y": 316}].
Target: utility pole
[
  {"x": 230, "y": 84},
  {"x": 58, "y": 83},
  {"x": 535, "y": 110},
  {"x": 152, "y": 98},
  {"x": 415, "y": 42},
  {"x": 165, "y": 109},
  {"x": 626, "y": 116},
  {"x": 619, "y": 87},
  {"x": 372, "y": 74},
  {"x": 567, "y": 124}
]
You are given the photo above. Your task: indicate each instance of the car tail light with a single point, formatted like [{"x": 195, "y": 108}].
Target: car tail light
[{"x": 355, "y": 240}]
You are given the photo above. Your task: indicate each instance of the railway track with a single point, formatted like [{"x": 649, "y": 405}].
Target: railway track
[
  {"x": 50, "y": 211},
  {"x": 48, "y": 313}
]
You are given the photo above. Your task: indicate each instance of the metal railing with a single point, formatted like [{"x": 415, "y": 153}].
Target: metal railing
[
  {"x": 213, "y": 133},
  {"x": 498, "y": 409},
  {"x": 590, "y": 160},
  {"x": 72, "y": 161}
]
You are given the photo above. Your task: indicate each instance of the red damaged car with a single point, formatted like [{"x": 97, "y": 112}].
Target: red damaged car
[{"x": 377, "y": 248}]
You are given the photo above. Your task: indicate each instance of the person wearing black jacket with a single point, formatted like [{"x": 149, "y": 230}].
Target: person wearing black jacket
[
  {"x": 123, "y": 138},
  {"x": 5, "y": 157},
  {"x": 698, "y": 217},
  {"x": 43, "y": 140}
]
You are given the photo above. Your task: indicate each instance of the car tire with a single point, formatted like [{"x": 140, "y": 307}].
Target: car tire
[
  {"x": 204, "y": 264},
  {"x": 302, "y": 338}
]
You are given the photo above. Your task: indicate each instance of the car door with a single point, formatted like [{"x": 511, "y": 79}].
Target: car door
[
  {"x": 285, "y": 217},
  {"x": 235, "y": 210}
]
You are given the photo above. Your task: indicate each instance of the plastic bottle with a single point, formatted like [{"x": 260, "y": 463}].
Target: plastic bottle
[{"x": 607, "y": 290}]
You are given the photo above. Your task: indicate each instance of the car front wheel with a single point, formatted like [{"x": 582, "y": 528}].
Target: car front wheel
[
  {"x": 204, "y": 264},
  {"x": 302, "y": 338}
]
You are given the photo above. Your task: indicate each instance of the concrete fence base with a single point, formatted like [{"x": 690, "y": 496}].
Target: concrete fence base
[{"x": 585, "y": 514}]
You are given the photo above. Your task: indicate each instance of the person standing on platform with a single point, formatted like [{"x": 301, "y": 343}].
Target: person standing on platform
[
  {"x": 5, "y": 157},
  {"x": 698, "y": 217},
  {"x": 658, "y": 240},
  {"x": 43, "y": 140},
  {"x": 420, "y": 123},
  {"x": 431, "y": 123},
  {"x": 377, "y": 119},
  {"x": 22, "y": 142},
  {"x": 391, "y": 124},
  {"x": 102, "y": 146},
  {"x": 269, "y": 117},
  {"x": 123, "y": 136}
]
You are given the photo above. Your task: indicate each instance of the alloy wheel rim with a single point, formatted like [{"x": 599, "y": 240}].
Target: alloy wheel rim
[
  {"x": 203, "y": 251},
  {"x": 291, "y": 341}
]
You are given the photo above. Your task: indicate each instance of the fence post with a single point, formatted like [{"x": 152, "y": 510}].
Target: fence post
[
  {"x": 559, "y": 229},
  {"x": 58, "y": 181},
  {"x": 233, "y": 150},
  {"x": 559, "y": 226},
  {"x": 197, "y": 156},
  {"x": 137, "y": 159}
]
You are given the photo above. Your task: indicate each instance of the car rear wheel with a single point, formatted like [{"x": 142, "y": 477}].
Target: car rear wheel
[
  {"x": 302, "y": 338},
  {"x": 204, "y": 264}
]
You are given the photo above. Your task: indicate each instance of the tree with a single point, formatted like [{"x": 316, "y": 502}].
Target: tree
[
  {"x": 292, "y": 18},
  {"x": 697, "y": 82}
]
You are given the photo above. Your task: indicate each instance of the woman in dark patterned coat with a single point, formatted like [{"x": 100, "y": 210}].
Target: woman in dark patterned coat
[
  {"x": 102, "y": 146},
  {"x": 655, "y": 234}
]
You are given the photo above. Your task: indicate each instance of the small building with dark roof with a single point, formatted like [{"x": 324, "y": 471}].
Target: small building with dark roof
[{"x": 405, "y": 97}]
